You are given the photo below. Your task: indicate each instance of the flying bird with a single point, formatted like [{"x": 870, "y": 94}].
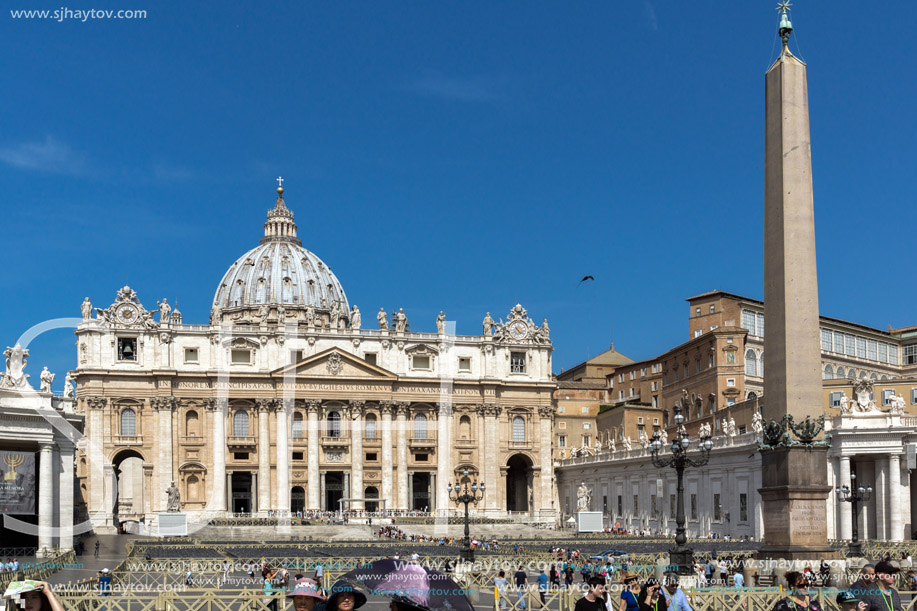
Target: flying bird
[{"x": 584, "y": 279}]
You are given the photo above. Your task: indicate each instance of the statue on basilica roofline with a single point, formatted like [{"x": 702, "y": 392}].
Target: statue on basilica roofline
[
  {"x": 68, "y": 385},
  {"x": 757, "y": 423},
  {"x": 382, "y": 317},
  {"x": 46, "y": 378},
  {"x": 488, "y": 324},
  {"x": 86, "y": 309},
  {"x": 310, "y": 316},
  {"x": 164, "y": 311},
  {"x": 441, "y": 323},
  {"x": 356, "y": 319},
  {"x": 400, "y": 320},
  {"x": 216, "y": 315}
]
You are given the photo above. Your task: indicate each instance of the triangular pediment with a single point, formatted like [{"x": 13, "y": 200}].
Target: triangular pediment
[{"x": 335, "y": 363}]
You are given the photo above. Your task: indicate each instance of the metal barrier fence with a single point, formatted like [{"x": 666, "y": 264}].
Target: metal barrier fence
[{"x": 40, "y": 571}]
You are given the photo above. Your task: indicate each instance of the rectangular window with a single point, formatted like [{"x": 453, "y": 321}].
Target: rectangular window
[
  {"x": 861, "y": 347},
  {"x": 561, "y": 409},
  {"x": 697, "y": 311},
  {"x": 562, "y": 441},
  {"x": 675, "y": 373},
  {"x": 883, "y": 352},
  {"x": 742, "y": 429},
  {"x": 465, "y": 364},
  {"x": 586, "y": 441},
  {"x": 420, "y": 362},
  {"x": 636, "y": 504},
  {"x": 562, "y": 425},
  {"x": 241, "y": 357},
  {"x": 910, "y": 354},
  {"x": 620, "y": 394},
  {"x": 730, "y": 381},
  {"x": 654, "y": 386},
  {"x": 759, "y": 318},
  {"x": 712, "y": 308},
  {"x": 826, "y": 336},
  {"x": 585, "y": 410},
  {"x": 372, "y": 456},
  {"x": 849, "y": 345},
  {"x": 604, "y": 504},
  {"x": 587, "y": 425},
  {"x": 191, "y": 355},
  {"x": 716, "y": 508},
  {"x": 743, "y": 507},
  {"x": 620, "y": 506},
  {"x": 633, "y": 375},
  {"x": 872, "y": 350},
  {"x": 127, "y": 348},
  {"x": 693, "y": 506},
  {"x": 835, "y": 399},
  {"x": 686, "y": 372},
  {"x": 643, "y": 372},
  {"x": 370, "y": 357},
  {"x": 297, "y": 455},
  {"x": 295, "y": 356},
  {"x": 422, "y": 457},
  {"x": 748, "y": 321},
  {"x": 892, "y": 354},
  {"x": 730, "y": 401},
  {"x": 914, "y": 396},
  {"x": 887, "y": 395},
  {"x": 517, "y": 362},
  {"x": 240, "y": 455},
  {"x": 698, "y": 332}
]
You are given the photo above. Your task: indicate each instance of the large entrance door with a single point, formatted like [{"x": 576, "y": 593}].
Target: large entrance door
[
  {"x": 297, "y": 499},
  {"x": 371, "y": 493},
  {"x": 518, "y": 483},
  {"x": 420, "y": 496},
  {"x": 334, "y": 490},
  {"x": 241, "y": 492}
]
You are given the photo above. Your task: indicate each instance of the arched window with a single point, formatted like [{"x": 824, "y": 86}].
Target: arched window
[
  {"x": 752, "y": 395},
  {"x": 863, "y": 375},
  {"x": 334, "y": 424},
  {"x": 128, "y": 423},
  {"x": 829, "y": 372},
  {"x": 286, "y": 291},
  {"x": 841, "y": 373},
  {"x": 884, "y": 377},
  {"x": 851, "y": 374},
  {"x": 751, "y": 363},
  {"x": 240, "y": 423},
  {"x": 518, "y": 429},
  {"x": 874, "y": 377},
  {"x": 261, "y": 291},
  {"x": 192, "y": 428},
  {"x": 370, "y": 431},
  {"x": 297, "y": 425},
  {"x": 420, "y": 426},
  {"x": 465, "y": 427}
]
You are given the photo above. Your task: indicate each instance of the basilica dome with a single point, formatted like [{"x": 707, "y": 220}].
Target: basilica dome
[{"x": 279, "y": 271}]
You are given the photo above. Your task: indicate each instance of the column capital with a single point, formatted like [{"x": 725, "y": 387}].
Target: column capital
[
  {"x": 402, "y": 407},
  {"x": 357, "y": 408},
  {"x": 490, "y": 409},
  {"x": 546, "y": 411},
  {"x": 164, "y": 403},
  {"x": 313, "y": 406},
  {"x": 282, "y": 405},
  {"x": 46, "y": 446},
  {"x": 96, "y": 402},
  {"x": 265, "y": 405},
  {"x": 387, "y": 407}
]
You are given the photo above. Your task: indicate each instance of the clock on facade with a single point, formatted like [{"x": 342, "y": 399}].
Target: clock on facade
[
  {"x": 518, "y": 329},
  {"x": 128, "y": 313}
]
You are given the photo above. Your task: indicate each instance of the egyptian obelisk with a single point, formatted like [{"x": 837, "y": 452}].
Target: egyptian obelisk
[{"x": 794, "y": 479}]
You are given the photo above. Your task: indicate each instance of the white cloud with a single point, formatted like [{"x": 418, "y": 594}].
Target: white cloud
[{"x": 49, "y": 155}]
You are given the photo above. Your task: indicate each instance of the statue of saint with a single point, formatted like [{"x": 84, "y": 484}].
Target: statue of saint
[
  {"x": 263, "y": 311},
  {"x": 14, "y": 376},
  {"x": 46, "y": 378},
  {"x": 382, "y": 317},
  {"x": 281, "y": 313},
  {"x": 583, "y": 497},
  {"x": 174, "y": 498},
  {"x": 335, "y": 314},
  {"x": 488, "y": 324},
  {"x": 86, "y": 309},
  {"x": 68, "y": 385},
  {"x": 356, "y": 319},
  {"x": 627, "y": 444},
  {"x": 441, "y": 323},
  {"x": 401, "y": 321},
  {"x": 545, "y": 330},
  {"x": 757, "y": 423},
  {"x": 216, "y": 315},
  {"x": 664, "y": 438},
  {"x": 310, "y": 316},
  {"x": 732, "y": 427},
  {"x": 164, "y": 310}
]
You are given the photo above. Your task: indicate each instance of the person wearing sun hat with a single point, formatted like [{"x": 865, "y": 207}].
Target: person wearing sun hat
[
  {"x": 33, "y": 595},
  {"x": 345, "y": 596},
  {"x": 307, "y": 596}
]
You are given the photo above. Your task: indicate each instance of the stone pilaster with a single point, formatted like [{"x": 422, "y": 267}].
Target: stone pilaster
[
  {"x": 356, "y": 452},
  {"x": 491, "y": 413},
  {"x": 164, "y": 407},
  {"x": 98, "y": 513},
  {"x": 386, "y": 409},
  {"x": 265, "y": 408},
  {"x": 314, "y": 490},
  {"x": 545, "y": 453},
  {"x": 843, "y": 509},
  {"x": 882, "y": 492},
  {"x": 218, "y": 409},
  {"x": 443, "y": 456},
  {"x": 284, "y": 409},
  {"x": 401, "y": 409},
  {"x": 65, "y": 486},
  {"x": 47, "y": 458}
]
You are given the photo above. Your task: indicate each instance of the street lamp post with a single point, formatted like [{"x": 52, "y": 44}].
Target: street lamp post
[
  {"x": 853, "y": 494},
  {"x": 681, "y": 555},
  {"x": 466, "y": 494}
]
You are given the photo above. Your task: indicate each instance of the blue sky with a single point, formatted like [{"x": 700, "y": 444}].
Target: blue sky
[{"x": 456, "y": 156}]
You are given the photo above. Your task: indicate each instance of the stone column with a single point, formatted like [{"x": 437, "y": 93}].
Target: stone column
[
  {"x": 284, "y": 409},
  {"x": 443, "y": 456},
  {"x": 346, "y": 494},
  {"x": 356, "y": 451},
  {"x": 843, "y": 509},
  {"x": 218, "y": 409},
  {"x": 165, "y": 407},
  {"x": 312, "y": 408},
  {"x": 65, "y": 511},
  {"x": 228, "y": 490},
  {"x": 147, "y": 492},
  {"x": 402, "y": 431},
  {"x": 47, "y": 458},
  {"x": 386, "y": 408},
  {"x": 324, "y": 496},
  {"x": 881, "y": 494},
  {"x": 897, "y": 515},
  {"x": 546, "y": 443},
  {"x": 265, "y": 407},
  {"x": 491, "y": 436}
]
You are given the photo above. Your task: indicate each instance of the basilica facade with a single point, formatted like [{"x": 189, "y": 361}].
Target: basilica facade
[{"x": 283, "y": 402}]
